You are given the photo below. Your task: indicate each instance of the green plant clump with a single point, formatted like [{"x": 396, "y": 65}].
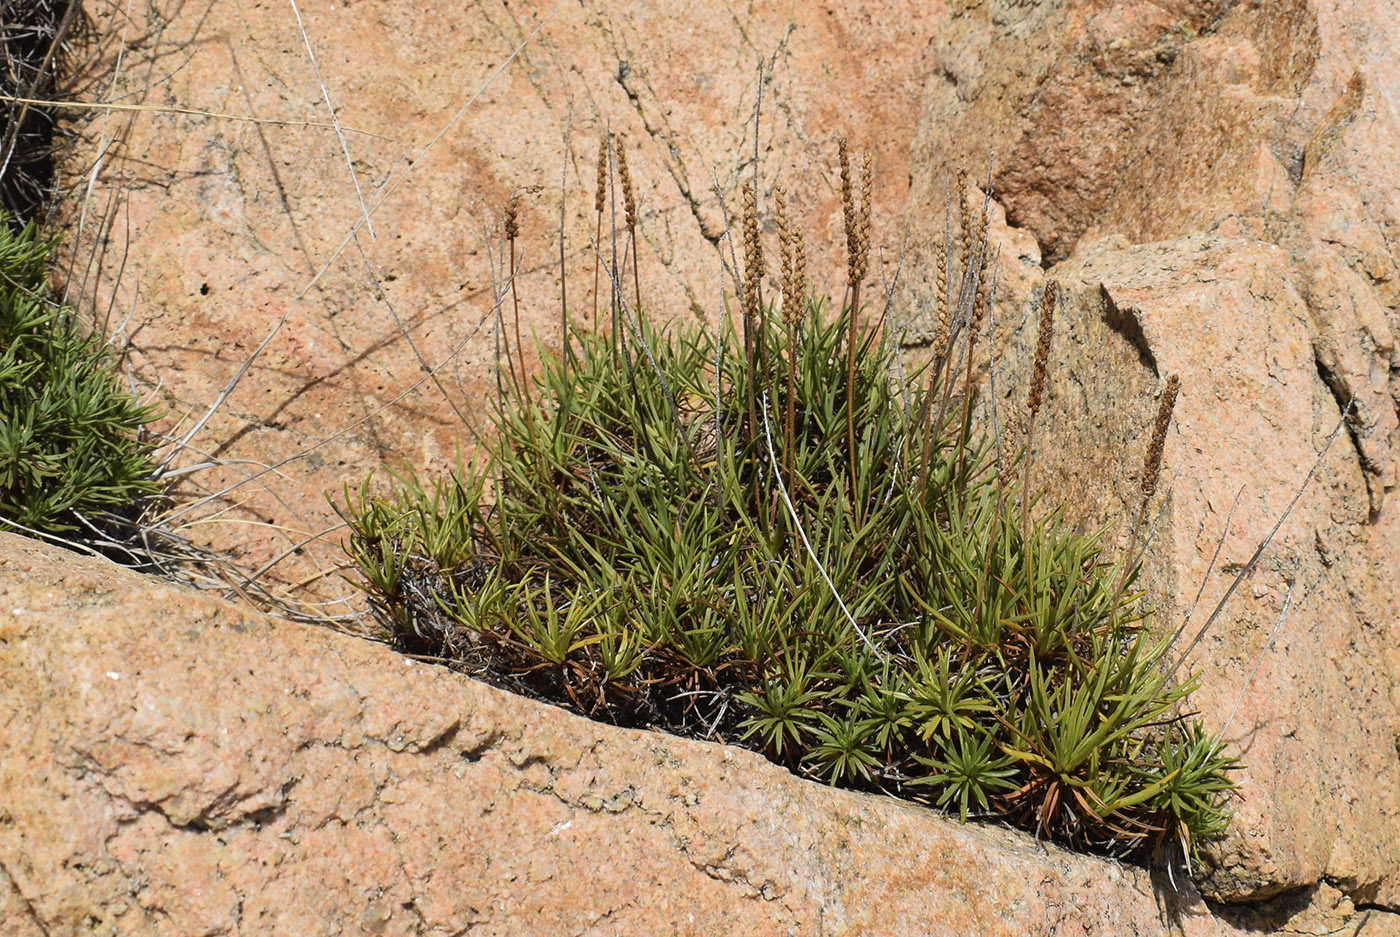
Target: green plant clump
[
  {"x": 71, "y": 454},
  {"x": 774, "y": 538}
]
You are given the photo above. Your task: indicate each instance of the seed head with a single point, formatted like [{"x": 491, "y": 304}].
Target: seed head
[
  {"x": 799, "y": 274},
  {"x": 848, "y": 209},
  {"x": 753, "y": 252},
  {"x": 1152, "y": 466},
  {"x": 1010, "y": 443},
  {"x": 983, "y": 300},
  {"x": 863, "y": 221},
  {"x": 966, "y": 223},
  {"x": 784, "y": 252},
  {"x": 940, "y": 335},
  {"x": 629, "y": 200},
  {"x": 600, "y": 195},
  {"x": 512, "y": 221},
  {"x": 784, "y": 248},
  {"x": 1042, "y": 348}
]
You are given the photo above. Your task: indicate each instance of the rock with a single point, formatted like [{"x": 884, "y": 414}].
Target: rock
[
  {"x": 1318, "y": 724},
  {"x": 178, "y": 764},
  {"x": 1212, "y": 184},
  {"x": 1158, "y": 120},
  {"x": 222, "y": 228}
]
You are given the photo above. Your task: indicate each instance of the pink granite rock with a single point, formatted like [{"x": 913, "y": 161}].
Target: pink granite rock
[
  {"x": 1214, "y": 185},
  {"x": 179, "y": 765},
  {"x": 211, "y": 230}
]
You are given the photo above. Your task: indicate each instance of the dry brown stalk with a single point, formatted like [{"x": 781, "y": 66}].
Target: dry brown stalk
[
  {"x": 940, "y": 335},
  {"x": 512, "y": 231},
  {"x": 629, "y": 207},
  {"x": 790, "y": 298},
  {"x": 600, "y": 193},
  {"x": 848, "y": 208},
  {"x": 863, "y": 222},
  {"x": 599, "y": 203},
  {"x": 857, "y": 219},
  {"x": 1042, "y": 349},
  {"x": 629, "y": 200},
  {"x": 966, "y": 207},
  {"x": 1152, "y": 467},
  {"x": 1037, "y": 392},
  {"x": 1010, "y": 432},
  {"x": 784, "y": 249},
  {"x": 791, "y": 252},
  {"x": 981, "y": 304},
  {"x": 982, "y": 300},
  {"x": 799, "y": 273},
  {"x": 753, "y": 253},
  {"x": 513, "y": 217},
  {"x": 753, "y": 275}
]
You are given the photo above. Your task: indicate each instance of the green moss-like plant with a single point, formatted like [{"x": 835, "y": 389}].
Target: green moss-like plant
[
  {"x": 71, "y": 454},
  {"x": 772, "y": 539}
]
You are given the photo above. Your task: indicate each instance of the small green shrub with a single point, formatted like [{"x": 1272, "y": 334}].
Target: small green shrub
[
  {"x": 71, "y": 453},
  {"x": 774, "y": 539}
]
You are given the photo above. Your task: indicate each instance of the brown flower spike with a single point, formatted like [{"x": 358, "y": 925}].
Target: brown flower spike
[
  {"x": 599, "y": 203},
  {"x": 1042, "y": 348},
  {"x": 1152, "y": 466},
  {"x": 512, "y": 217},
  {"x": 601, "y": 191},
  {"x": 941, "y": 333},
  {"x": 753, "y": 252},
  {"x": 629, "y": 199},
  {"x": 784, "y": 247}
]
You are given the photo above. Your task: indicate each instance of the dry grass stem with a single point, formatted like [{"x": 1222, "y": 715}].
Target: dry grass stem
[
  {"x": 792, "y": 301},
  {"x": 1006, "y": 449},
  {"x": 512, "y": 231},
  {"x": 1036, "y": 396},
  {"x": 856, "y": 216},
  {"x": 863, "y": 220},
  {"x": 799, "y": 271},
  {"x": 600, "y": 202},
  {"x": 1151, "y": 468},
  {"x": 629, "y": 208},
  {"x": 753, "y": 276},
  {"x": 965, "y": 261}
]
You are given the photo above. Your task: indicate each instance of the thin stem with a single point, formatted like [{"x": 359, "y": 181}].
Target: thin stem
[
  {"x": 851, "y": 399},
  {"x": 636, "y": 278},
  {"x": 522, "y": 383},
  {"x": 790, "y": 443},
  {"x": 597, "y": 262}
]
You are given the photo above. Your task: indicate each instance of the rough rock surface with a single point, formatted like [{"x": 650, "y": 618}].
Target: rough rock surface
[
  {"x": 1212, "y": 182},
  {"x": 210, "y": 230},
  {"x": 179, "y": 765},
  {"x": 1213, "y": 185}
]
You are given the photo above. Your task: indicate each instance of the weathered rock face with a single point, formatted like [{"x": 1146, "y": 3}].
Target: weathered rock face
[
  {"x": 1213, "y": 183},
  {"x": 215, "y": 230},
  {"x": 179, "y": 765},
  {"x": 1213, "y": 186}
]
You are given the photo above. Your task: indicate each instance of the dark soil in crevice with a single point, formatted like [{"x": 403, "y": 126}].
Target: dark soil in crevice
[{"x": 35, "y": 39}]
